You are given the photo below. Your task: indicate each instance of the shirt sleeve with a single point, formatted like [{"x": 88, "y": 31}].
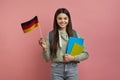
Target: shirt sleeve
[
  {"x": 84, "y": 55},
  {"x": 46, "y": 52}
]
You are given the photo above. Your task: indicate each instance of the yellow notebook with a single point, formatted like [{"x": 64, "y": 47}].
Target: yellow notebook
[{"x": 76, "y": 49}]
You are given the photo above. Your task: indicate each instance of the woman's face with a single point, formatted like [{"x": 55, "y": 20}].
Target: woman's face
[{"x": 62, "y": 20}]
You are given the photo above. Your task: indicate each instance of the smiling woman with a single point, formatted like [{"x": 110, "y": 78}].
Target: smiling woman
[
  {"x": 64, "y": 66},
  {"x": 62, "y": 20}
]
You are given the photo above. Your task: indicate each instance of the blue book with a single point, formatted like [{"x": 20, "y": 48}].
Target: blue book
[{"x": 71, "y": 42}]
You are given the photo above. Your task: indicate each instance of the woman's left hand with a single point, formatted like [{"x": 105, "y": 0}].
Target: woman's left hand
[{"x": 68, "y": 58}]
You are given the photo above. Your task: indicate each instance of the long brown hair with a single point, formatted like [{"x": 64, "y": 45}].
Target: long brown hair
[{"x": 55, "y": 39}]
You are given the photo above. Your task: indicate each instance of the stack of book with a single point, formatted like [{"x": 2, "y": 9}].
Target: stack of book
[{"x": 75, "y": 46}]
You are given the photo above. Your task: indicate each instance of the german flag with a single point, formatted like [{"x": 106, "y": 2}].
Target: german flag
[{"x": 30, "y": 25}]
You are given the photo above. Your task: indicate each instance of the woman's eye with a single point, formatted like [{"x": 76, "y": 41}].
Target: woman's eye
[
  {"x": 59, "y": 18},
  {"x": 65, "y": 18},
  {"x": 62, "y": 18}
]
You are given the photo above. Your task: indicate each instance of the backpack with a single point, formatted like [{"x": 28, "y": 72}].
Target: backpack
[{"x": 51, "y": 35}]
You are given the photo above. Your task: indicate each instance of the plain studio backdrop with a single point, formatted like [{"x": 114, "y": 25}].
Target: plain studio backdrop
[{"x": 97, "y": 21}]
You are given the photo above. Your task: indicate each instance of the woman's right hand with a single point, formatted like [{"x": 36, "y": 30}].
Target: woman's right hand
[{"x": 42, "y": 43}]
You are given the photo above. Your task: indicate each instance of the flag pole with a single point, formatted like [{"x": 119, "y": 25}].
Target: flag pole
[{"x": 41, "y": 35}]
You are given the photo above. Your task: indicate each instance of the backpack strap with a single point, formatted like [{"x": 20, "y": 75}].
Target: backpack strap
[
  {"x": 50, "y": 36},
  {"x": 74, "y": 33}
]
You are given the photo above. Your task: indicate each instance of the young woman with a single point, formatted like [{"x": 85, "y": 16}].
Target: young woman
[{"x": 64, "y": 66}]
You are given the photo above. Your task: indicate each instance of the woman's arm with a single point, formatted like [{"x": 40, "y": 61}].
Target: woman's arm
[{"x": 44, "y": 43}]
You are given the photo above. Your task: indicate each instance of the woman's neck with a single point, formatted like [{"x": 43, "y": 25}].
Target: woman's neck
[{"x": 63, "y": 30}]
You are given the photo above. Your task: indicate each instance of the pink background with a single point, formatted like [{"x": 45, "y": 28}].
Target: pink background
[{"x": 98, "y": 21}]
